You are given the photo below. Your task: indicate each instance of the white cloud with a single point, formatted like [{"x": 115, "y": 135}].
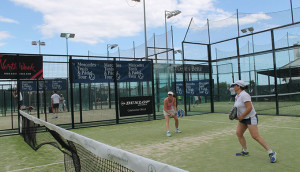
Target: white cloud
[
  {"x": 4, "y": 35},
  {"x": 252, "y": 18},
  {"x": 7, "y": 20},
  {"x": 94, "y": 21}
]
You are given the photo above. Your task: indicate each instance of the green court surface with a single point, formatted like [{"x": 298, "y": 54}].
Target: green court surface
[{"x": 207, "y": 143}]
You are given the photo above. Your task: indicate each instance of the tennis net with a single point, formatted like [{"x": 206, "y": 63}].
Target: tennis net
[{"x": 82, "y": 153}]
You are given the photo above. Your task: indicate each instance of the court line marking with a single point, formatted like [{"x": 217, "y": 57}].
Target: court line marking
[
  {"x": 232, "y": 123},
  {"x": 28, "y": 168}
]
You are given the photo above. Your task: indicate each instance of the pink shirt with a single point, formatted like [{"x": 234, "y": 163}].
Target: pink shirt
[{"x": 169, "y": 104}]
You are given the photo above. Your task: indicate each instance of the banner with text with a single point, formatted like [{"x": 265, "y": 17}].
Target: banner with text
[
  {"x": 50, "y": 85},
  {"x": 95, "y": 71},
  {"x": 191, "y": 68},
  {"x": 21, "y": 67},
  {"x": 193, "y": 88},
  {"x": 130, "y": 106}
]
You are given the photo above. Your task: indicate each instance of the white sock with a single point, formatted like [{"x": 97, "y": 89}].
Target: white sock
[
  {"x": 245, "y": 150},
  {"x": 270, "y": 151}
]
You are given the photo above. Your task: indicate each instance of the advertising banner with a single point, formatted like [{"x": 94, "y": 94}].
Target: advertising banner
[
  {"x": 50, "y": 85},
  {"x": 193, "y": 88},
  {"x": 21, "y": 67},
  {"x": 130, "y": 106},
  {"x": 96, "y": 71},
  {"x": 190, "y": 68}
]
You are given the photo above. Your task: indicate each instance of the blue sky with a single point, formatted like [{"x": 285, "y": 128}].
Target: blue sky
[{"x": 97, "y": 23}]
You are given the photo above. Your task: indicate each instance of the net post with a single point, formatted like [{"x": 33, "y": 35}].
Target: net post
[
  {"x": 116, "y": 90},
  {"x": 183, "y": 78},
  {"x": 80, "y": 103},
  {"x": 45, "y": 100},
  {"x": 37, "y": 98},
  {"x": 275, "y": 71},
  {"x": 71, "y": 89},
  {"x": 153, "y": 96},
  {"x": 210, "y": 79},
  {"x": 18, "y": 92}
]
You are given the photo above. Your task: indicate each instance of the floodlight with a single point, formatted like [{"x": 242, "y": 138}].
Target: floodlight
[
  {"x": 113, "y": 46},
  {"x": 176, "y": 12},
  {"x": 251, "y": 29},
  {"x": 72, "y": 35},
  {"x": 63, "y": 35},
  {"x": 177, "y": 51},
  {"x": 136, "y": 0},
  {"x": 33, "y": 43},
  {"x": 244, "y": 30},
  {"x": 42, "y": 43}
]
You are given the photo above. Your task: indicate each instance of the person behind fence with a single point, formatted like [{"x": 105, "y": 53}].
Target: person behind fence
[
  {"x": 248, "y": 119},
  {"x": 20, "y": 99},
  {"x": 61, "y": 103},
  {"x": 196, "y": 100},
  {"x": 170, "y": 110},
  {"x": 232, "y": 94},
  {"x": 55, "y": 103},
  {"x": 179, "y": 100}
]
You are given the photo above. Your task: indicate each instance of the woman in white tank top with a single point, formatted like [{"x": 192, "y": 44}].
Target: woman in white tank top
[{"x": 247, "y": 117}]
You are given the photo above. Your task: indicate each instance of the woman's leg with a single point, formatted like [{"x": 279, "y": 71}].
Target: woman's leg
[
  {"x": 176, "y": 121},
  {"x": 167, "y": 122},
  {"x": 240, "y": 130},
  {"x": 255, "y": 135}
]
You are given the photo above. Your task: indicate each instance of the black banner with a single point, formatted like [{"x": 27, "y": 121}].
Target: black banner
[
  {"x": 21, "y": 67},
  {"x": 130, "y": 106}
]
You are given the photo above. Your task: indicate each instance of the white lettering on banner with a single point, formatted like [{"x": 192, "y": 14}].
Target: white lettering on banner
[
  {"x": 83, "y": 71},
  {"x": 56, "y": 85},
  {"x": 26, "y": 86},
  {"x": 133, "y": 71},
  {"x": 202, "y": 88},
  {"x": 108, "y": 71},
  {"x": 86, "y": 64},
  {"x": 135, "y": 65},
  {"x": 139, "y": 103}
]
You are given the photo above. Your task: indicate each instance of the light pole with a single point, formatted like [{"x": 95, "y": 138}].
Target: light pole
[
  {"x": 110, "y": 46},
  {"x": 251, "y": 29},
  {"x": 145, "y": 27},
  {"x": 67, "y": 36},
  {"x": 40, "y": 44},
  {"x": 169, "y": 14}
]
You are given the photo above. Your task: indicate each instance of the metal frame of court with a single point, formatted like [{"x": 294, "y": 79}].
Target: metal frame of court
[
  {"x": 274, "y": 73},
  {"x": 164, "y": 74}
]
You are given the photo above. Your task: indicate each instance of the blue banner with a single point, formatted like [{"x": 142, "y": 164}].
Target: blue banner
[
  {"x": 96, "y": 71},
  {"x": 52, "y": 84},
  {"x": 193, "y": 88},
  {"x": 28, "y": 86}
]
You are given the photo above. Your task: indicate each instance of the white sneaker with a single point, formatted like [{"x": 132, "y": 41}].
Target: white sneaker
[
  {"x": 177, "y": 130},
  {"x": 169, "y": 134},
  {"x": 54, "y": 116}
]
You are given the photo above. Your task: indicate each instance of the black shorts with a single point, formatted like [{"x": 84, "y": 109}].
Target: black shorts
[
  {"x": 233, "y": 96},
  {"x": 250, "y": 121},
  {"x": 56, "y": 105}
]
